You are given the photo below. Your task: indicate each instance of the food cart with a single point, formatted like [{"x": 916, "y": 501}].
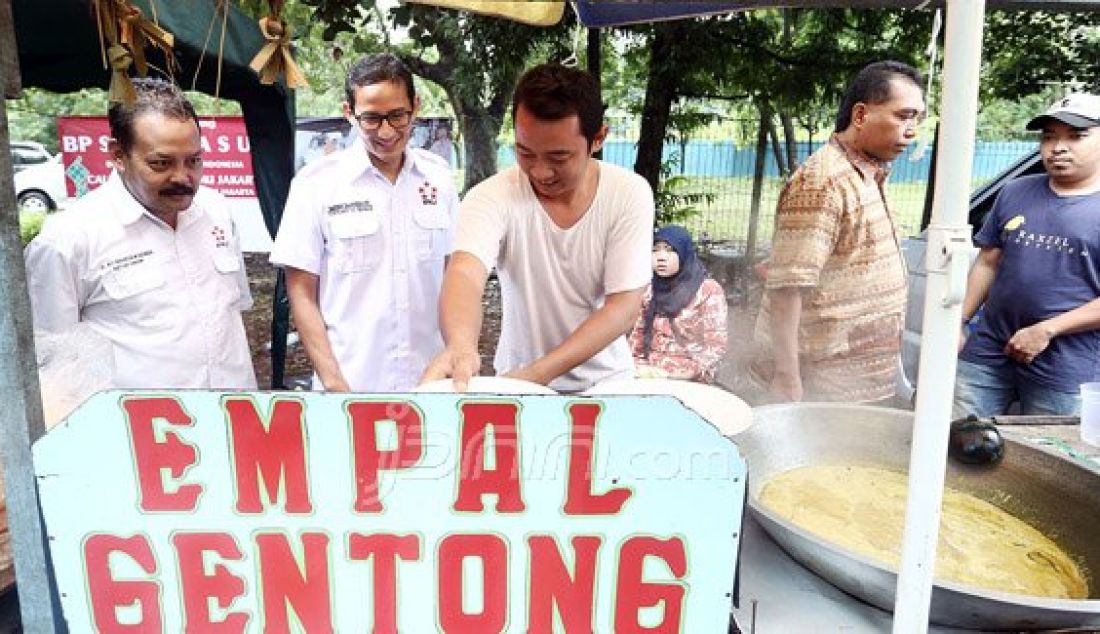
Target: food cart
[{"x": 949, "y": 241}]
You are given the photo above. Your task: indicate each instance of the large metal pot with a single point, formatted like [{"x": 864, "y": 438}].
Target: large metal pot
[{"x": 1055, "y": 495}]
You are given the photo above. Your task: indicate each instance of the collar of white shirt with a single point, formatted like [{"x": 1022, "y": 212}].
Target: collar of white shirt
[
  {"x": 360, "y": 163},
  {"x": 128, "y": 210}
]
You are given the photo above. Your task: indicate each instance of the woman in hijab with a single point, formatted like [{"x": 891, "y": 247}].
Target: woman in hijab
[{"x": 681, "y": 332}]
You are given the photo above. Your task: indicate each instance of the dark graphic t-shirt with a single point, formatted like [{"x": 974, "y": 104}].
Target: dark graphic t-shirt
[{"x": 1050, "y": 264}]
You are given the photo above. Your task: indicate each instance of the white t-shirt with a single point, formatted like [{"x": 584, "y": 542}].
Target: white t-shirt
[
  {"x": 552, "y": 279},
  {"x": 169, "y": 301},
  {"x": 378, "y": 248}
]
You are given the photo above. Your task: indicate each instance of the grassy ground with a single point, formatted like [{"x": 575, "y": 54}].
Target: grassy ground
[{"x": 726, "y": 217}]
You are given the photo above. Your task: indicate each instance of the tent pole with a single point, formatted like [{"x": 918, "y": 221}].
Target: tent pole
[
  {"x": 948, "y": 261},
  {"x": 21, "y": 421}
]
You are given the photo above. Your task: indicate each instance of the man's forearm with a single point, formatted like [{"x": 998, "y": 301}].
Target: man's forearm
[
  {"x": 304, "y": 307},
  {"x": 459, "y": 321},
  {"x": 611, "y": 321},
  {"x": 1029, "y": 342},
  {"x": 785, "y": 313},
  {"x": 1081, "y": 319},
  {"x": 980, "y": 280},
  {"x": 460, "y": 309}
]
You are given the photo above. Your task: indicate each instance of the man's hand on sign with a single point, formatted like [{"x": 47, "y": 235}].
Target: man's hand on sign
[
  {"x": 526, "y": 374},
  {"x": 336, "y": 384},
  {"x": 455, "y": 363}
]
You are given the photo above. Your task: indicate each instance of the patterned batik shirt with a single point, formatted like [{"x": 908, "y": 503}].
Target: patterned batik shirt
[
  {"x": 836, "y": 240},
  {"x": 692, "y": 345}
]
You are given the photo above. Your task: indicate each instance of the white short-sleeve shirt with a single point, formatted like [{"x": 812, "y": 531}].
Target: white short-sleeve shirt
[
  {"x": 169, "y": 300},
  {"x": 552, "y": 279},
  {"x": 378, "y": 248}
]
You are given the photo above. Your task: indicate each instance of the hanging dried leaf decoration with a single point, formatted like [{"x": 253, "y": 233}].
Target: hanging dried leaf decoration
[
  {"x": 121, "y": 89},
  {"x": 275, "y": 58},
  {"x": 124, "y": 33},
  {"x": 137, "y": 32}
]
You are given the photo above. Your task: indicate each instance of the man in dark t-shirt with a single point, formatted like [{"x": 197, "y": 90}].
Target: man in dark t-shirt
[{"x": 1038, "y": 276}]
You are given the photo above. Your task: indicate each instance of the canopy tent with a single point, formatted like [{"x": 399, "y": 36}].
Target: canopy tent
[{"x": 59, "y": 50}]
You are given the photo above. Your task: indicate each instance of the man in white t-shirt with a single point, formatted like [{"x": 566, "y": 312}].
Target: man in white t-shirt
[
  {"x": 364, "y": 239},
  {"x": 570, "y": 238},
  {"x": 150, "y": 260}
]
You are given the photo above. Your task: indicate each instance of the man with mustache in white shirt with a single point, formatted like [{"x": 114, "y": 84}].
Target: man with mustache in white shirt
[{"x": 150, "y": 260}]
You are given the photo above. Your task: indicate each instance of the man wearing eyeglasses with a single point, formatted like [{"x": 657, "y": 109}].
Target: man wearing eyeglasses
[{"x": 364, "y": 239}]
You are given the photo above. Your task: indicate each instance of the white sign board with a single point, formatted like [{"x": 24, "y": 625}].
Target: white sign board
[{"x": 415, "y": 513}]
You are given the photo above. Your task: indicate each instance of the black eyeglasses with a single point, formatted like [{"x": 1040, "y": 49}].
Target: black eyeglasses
[{"x": 398, "y": 119}]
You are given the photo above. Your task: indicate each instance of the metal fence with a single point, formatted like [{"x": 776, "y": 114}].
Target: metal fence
[{"x": 713, "y": 162}]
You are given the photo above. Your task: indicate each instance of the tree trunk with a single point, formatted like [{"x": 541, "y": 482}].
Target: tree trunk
[
  {"x": 767, "y": 121},
  {"x": 11, "y": 87},
  {"x": 479, "y": 143},
  {"x": 595, "y": 65},
  {"x": 660, "y": 92},
  {"x": 479, "y": 123},
  {"x": 930, "y": 188},
  {"x": 684, "y": 140},
  {"x": 757, "y": 189},
  {"x": 792, "y": 144},
  {"x": 22, "y": 421},
  {"x": 790, "y": 17}
]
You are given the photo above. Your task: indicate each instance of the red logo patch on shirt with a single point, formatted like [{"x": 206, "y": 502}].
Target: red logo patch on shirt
[{"x": 429, "y": 194}]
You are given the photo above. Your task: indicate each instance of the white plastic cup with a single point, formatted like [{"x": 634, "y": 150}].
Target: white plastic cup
[{"x": 1090, "y": 413}]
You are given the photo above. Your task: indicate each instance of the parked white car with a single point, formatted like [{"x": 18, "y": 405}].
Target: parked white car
[
  {"x": 26, "y": 154},
  {"x": 41, "y": 187}
]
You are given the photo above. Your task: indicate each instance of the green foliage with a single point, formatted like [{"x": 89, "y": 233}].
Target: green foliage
[
  {"x": 1004, "y": 119},
  {"x": 32, "y": 117},
  {"x": 30, "y": 223},
  {"x": 1029, "y": 52},
  {"x": 673, "y": 203},
  {"x": 797, "y": 60},
  {"x": 785, "y": 61},
  {"x": 476, "y": 60}
]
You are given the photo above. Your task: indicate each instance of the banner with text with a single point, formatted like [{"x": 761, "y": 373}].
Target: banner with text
[
  {"x": 227, "y": 166},
  {"x": 191, "y": 510},
  {"x": 227, "y": 163}
]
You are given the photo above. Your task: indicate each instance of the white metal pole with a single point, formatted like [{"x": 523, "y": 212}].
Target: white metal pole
[{"x": 948, "y": 260}]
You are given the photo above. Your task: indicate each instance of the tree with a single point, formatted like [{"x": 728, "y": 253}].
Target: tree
[
  {"x": 476, "y": 59},
  {"x": 33, "y": 116},
  {"x": 784, "y": 61},
  {"x": 1029, "y": 52},
  {"x": 680, "y": 61}
]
